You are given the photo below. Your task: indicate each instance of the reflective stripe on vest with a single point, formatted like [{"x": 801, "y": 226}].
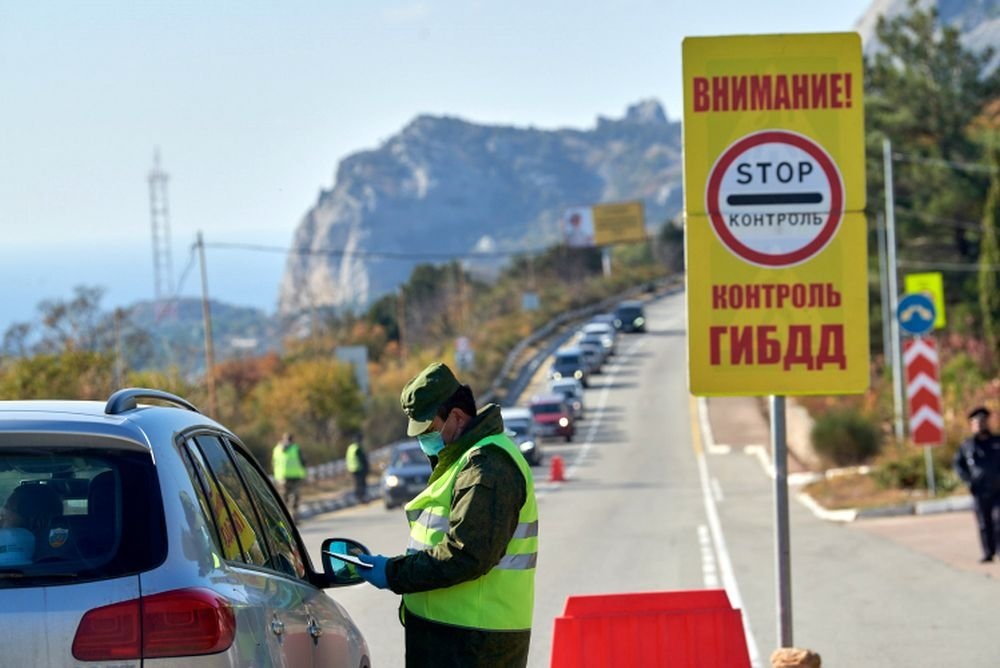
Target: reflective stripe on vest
[
  {"x": 287, "y": 463},
  {"x": 503, "y": 598}
]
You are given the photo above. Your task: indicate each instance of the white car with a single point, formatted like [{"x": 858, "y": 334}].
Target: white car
[
  {"x": 135, "y": 534},
  {"x": 521, "y": 428},
  {"x": 573, "y": 391},
  {"x": 607, "y": 334}
]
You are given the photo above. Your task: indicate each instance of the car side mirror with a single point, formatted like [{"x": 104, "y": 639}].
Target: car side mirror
[{"x": 339, "y": 572}]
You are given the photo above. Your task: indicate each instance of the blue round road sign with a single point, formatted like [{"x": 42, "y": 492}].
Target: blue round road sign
[{"x": 916, "y": 313}]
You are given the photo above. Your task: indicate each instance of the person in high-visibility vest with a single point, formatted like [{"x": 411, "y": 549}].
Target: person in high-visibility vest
[
  {"x": 468, "y": 575},
  {"x": 357, "y": 465},
  {"x": 289, "y": 467}
]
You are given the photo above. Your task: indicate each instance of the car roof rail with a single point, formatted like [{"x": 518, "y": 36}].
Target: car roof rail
[{"x": 126, "y": 399}]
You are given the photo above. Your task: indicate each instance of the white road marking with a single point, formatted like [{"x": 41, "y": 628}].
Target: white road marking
[
  {"x": 717, "y": 491},
  {"x": 719, "y": 541},
  {"x": 593, "y": 421},
  {"x": 709, "y": 569}
]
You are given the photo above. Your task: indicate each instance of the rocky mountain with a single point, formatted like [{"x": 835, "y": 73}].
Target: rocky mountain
[
  {"x": 444, "y": 187},
  {"x": 978, "y": 21}
]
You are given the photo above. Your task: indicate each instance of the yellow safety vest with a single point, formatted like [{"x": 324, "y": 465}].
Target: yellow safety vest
[
  {"x": 352, "y": 460},
  {"x": 503, "y": 598},
  {"x": 287, "y": 463}
]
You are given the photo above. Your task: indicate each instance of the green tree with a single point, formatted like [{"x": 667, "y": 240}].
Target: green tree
[
  {"x": 989, "y": 259},
  {"x": 318, "y": 400},
  {"x": 922, "y": 90}
]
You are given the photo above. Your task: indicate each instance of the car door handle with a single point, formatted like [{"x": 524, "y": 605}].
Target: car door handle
[
  {"x": 277, "y": 626},
  {"x": 314, "y": 629}
]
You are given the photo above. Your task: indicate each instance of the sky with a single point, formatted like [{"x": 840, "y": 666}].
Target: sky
[{"x": 253, "y": 104}]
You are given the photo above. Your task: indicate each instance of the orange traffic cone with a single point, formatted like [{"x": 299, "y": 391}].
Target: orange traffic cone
[{"x": 556, "y": 469}]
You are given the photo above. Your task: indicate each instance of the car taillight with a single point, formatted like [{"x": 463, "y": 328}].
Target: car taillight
[
  {"x": 109, "y": 633},
  {"x": 183, "y": 622}
]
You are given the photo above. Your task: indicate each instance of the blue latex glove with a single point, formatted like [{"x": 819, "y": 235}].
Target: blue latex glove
[{"x": 376, "y": 574}]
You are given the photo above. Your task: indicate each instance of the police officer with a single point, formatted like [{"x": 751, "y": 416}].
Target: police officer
[
  {"x": 357, "y": 465},
  {"x": 289, "y": 468},
  {"x": 977, "y": 463},
  {"x": 468, "y": 575}
]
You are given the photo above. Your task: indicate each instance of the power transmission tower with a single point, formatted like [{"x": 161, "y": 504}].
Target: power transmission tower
[{"x": 159, "y": 212}]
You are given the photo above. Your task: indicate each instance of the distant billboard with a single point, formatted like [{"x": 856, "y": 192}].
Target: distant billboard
[
  {"x": 623, "y": 222},
  {"x": 604, "y": 224},
  {"x": 578, "y": 227}
]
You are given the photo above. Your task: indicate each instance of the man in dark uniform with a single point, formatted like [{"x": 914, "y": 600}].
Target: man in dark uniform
[{"x": 977, "y": 463}]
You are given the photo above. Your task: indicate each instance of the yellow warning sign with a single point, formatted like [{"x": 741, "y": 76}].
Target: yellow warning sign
[
  {"x": 933, "y": 284},
  {"x": 618, "y": 223},
  {"x": 774, "y": 192}
]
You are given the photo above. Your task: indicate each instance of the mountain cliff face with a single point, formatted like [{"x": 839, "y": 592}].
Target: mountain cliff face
[{"x": 444, "y": 187}]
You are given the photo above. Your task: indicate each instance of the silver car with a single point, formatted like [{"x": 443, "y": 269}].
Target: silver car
[{"x": 138, "y": 535}]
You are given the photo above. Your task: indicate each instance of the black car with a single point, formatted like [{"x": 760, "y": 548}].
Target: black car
[
  {"x": 406, "y": 475},
  {"x": 630, "y": 317},
  {"x": 569, "y": 363}
]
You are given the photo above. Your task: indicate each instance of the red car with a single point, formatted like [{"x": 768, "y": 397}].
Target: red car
[{"x": 552, "y": 416}]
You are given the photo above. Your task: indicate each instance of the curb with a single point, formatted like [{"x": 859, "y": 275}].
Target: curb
[{"x": 929, "y": 507}]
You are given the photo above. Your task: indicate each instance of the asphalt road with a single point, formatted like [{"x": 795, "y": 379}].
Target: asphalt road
[{"x": 645, "y": 509}]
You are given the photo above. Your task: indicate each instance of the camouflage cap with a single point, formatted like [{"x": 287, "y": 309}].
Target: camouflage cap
[{"x": 423, "y": 395}]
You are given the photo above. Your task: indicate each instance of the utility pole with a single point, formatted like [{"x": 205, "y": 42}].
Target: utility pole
[
  {"x": 890, "y": 229},
  {"x": 119, "y": 361},
  {"x": 883, "y": 271},
  {"x": 206, "y": 316},
  {"x": 401, "y": 322},
  {"x": 159, "y": 215}
]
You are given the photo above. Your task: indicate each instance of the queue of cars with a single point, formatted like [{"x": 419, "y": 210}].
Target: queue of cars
[
  {"x": 554, "y": 413},
  {"x": 133, "y": 532}
]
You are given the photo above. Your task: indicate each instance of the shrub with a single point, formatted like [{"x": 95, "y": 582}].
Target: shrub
[
  {"x": 845, "y": 437},
  {"x": 905, "y": 467}
]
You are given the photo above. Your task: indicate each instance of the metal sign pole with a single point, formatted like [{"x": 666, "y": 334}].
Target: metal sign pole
[
  {"x": 779, "y": 452},
  {"x": 890, "y": 229}
]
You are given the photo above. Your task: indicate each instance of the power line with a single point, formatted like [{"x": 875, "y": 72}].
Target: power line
[
  {"x": 967, "y": 224},
  {"x": 940, "y": 162},
  {"x": 946, "y": 266},
  {"x": 385, "y": 255}
]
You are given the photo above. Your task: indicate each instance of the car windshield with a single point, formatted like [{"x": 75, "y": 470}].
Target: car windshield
[
  {"x": 86, "y": 514},
  {"x": 407, "y": 457},
  {"x": 520, "y": 427},
  {"x": 629, "y": 311},
  {"x": 542, "y": 409},
  {"x": 567, "y": 360}
]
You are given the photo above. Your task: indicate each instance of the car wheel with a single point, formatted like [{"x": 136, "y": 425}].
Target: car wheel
[{"x": 569, "y": 437}]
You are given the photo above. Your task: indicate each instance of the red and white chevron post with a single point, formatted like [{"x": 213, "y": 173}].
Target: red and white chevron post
[{"x": 923, "y": 390}]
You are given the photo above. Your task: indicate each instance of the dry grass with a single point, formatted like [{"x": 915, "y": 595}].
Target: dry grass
[{"x": 858, "y": 491}]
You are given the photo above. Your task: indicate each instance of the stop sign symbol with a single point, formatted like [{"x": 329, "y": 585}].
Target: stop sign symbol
[{"x": 775, "y": 198}]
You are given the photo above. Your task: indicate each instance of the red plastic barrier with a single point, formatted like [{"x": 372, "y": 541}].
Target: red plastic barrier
[{"x": 672, "y": 629}]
